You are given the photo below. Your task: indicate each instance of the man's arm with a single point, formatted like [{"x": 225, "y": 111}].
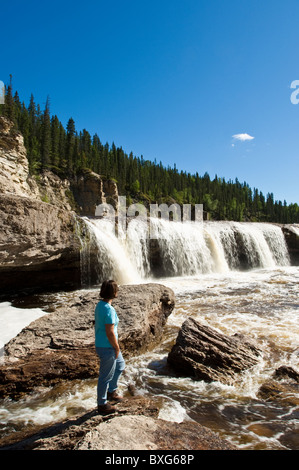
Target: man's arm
[{"x": 112, "y": 338}]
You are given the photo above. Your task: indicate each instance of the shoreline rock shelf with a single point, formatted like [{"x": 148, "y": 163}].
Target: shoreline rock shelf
[{"x": 135, "y": 426}]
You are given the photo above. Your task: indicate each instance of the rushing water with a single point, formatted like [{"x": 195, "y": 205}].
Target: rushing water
[
  {"x": 184, "y": 249},
  {"x": 262, "y": 303}
]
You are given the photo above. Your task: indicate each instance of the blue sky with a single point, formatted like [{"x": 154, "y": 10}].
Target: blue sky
[{"x": 170, "y": 80}]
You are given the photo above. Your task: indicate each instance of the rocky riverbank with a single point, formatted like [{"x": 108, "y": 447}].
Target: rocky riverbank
[
  {"x": 135, "y": 426},
  {"x": 60, "y": 345},
  {"x": 41, "y": 240},
  {"x": 58, "y": 348}
]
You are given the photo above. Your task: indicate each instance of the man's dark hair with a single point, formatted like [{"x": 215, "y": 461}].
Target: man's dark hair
[{"x": 109, "y": 289}]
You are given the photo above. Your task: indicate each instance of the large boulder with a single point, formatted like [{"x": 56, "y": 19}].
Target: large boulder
[
  {"x": 60, "y": 345},
  {"x": 205, "y": 354}
]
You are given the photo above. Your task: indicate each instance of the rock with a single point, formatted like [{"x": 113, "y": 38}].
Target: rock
[
  {"x": 90, "y": 190},
  {"x": 48, "y": 187},
  {"x": 39, "y": 246},
  {"x": 287, "y": 373},
  {"x": 282, "y": 387},
  {"x": 46, "y": 368},
  {"x": 60, "y": 345},
  {"x": 41, "y": 237},
  {"x": 14, "y": 172},
  {"x": 146, "y": 433},
  {"x": 13, "y": 161},
  {"x": 291, "y": 234},
  {"x": 205, "y": 354},
  {"x": 110, "y": 193},
  {"x": 135, "y": 426}
]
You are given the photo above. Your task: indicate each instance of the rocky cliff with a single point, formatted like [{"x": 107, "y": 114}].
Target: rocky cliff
[
  {"x": 41, "y": 234},
  {"x": 35, "y": 238}
]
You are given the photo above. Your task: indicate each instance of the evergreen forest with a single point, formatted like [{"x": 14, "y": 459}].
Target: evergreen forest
[{"x": 68, "y": 152}]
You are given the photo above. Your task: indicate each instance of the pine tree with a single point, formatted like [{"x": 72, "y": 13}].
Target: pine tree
[
  {"x": 24, "y": 125},
  {"x": 50, "y": 146},
  {"x": 70, "y": 145},
  {"x": 46, "y": 137},
  {"x": 9, "y": 105},
  {"x": 2, "y": 98},
  {"x": 55, "y": 137},
  {"x": 17, "y": 110},
  {"x": 33, "y": 149},
  {"x": 62, "y": 145}
]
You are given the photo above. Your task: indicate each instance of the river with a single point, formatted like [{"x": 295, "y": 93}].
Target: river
[{"x": 260, "y": 302}]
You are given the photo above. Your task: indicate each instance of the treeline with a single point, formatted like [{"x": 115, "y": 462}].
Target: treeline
[{"x": 68, "y": 152}]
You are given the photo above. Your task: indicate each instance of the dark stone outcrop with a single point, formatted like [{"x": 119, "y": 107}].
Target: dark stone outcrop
[
  {"x": 282, "y": 387},
  {"x": 60, "y": 345},
  {"x": 292, "y": 240},
  {"x": 205, "y": 354}
]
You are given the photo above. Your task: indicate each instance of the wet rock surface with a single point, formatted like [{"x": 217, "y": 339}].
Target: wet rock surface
[
  {"x": 291, "y": 232},
  {"x": 205, "y": 354},
  {"x": 135, "y": 426},
  {"x": 282, "y": 387}
]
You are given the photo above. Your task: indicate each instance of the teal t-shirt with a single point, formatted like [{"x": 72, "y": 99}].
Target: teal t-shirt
[{"x": 105, "y": 314}]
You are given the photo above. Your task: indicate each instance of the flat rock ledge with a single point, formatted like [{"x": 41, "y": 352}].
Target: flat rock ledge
[
  {"x": 135, "y": 426},
  {"x": 201, "y": 352},
  {"x": 60, "y": 345}
]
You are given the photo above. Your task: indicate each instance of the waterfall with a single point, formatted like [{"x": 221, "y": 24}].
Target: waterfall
[
  {"x": 294, "y": 229},
  {"x": 183, "y": 248},
  {"x": 113, "y": 260}
]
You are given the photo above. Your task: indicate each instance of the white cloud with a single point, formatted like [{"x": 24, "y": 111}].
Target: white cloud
[{"x": 243, "y": 137}]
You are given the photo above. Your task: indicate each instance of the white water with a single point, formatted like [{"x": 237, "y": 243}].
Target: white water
[
  {"x": 13, "y": 320},
  {"x": 295, "y": 229},
  {"x": 261, "y": 303},
  {"x": 186, "y": 249},
  {"x": 113, "y": 257}
]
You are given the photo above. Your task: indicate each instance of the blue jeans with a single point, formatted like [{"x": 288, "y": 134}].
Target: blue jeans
[{"x": 110, "y": 371}]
